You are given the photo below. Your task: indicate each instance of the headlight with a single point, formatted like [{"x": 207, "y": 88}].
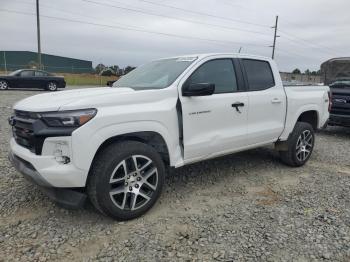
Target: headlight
[{"x": 74, "y": 118}]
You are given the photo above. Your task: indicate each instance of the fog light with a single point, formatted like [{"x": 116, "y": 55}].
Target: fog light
[
  {"x": 62, "y": 159},
  {"x": 58, "y": 154}
]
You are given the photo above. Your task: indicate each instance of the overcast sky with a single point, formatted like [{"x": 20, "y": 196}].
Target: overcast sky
[{"x": 311, "y": 31}]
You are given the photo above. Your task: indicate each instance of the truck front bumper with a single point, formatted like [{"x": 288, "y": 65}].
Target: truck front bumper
[
  {"x": 339, "y": 120},
  {"x": 58, "y": 181}
]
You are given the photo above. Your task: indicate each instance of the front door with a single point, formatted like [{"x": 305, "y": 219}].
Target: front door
[{"x": 214, "y": 124}]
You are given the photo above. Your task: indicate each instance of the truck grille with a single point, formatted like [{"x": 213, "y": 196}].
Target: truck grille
[
  {"x": 23, "y": 131},
  {"x": 341, "y": 103}
]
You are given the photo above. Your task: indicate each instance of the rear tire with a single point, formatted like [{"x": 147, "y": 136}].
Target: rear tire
[
  {"x": 51, "y": 86},
  {"x": 300, "y": 145},
  {"x": 4, "y": 85},
  {"x": 126, "y": 180}
]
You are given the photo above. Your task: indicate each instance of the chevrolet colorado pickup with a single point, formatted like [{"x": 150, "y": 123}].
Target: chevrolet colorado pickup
[{"x": 113, "y": 145}]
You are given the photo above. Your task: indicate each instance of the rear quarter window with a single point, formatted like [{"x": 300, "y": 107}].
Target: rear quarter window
[{"x": 259, "y": 74}]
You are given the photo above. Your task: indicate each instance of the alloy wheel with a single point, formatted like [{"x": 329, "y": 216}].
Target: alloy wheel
[
  {"x": 133, "y": 182},
  {"x": 3, "y": 85},
  {"x": 304, "y": 145},
  {"x": 52, "y": 86}
]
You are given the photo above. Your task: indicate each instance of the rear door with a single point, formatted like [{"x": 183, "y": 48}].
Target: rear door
[
  {"x": 211, "y": 124},
  {"x": 25, "y": 79},
  {"x": 40, "y": 79},
  {"x": 267, "y": 102}
]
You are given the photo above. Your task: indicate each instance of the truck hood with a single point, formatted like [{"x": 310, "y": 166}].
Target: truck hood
[
  {"x": 93, "y": 98},
  {"x": 58, "y": 100}
]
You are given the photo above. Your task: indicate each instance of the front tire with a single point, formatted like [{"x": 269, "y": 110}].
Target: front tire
[
  {"x": 126, "y": 180},
  {"x": 4, "y": 85},
  {"x": 300, "y": 145},
  {"x": 51, "y": 86}
]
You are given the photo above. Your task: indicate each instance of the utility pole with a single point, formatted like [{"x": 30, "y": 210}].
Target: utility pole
[
  {"x": 274, "y": 38},
  {"x": 5, "y": 64},
  {"x": 38, "y": 32}
]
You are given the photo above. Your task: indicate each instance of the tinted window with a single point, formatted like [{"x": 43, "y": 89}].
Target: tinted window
[
  {"x": 40, "y": 73},
  {"x": 27, "y": 73},
  {"x": 259, "y": 74},
  {"x": 219, "y": 72}
]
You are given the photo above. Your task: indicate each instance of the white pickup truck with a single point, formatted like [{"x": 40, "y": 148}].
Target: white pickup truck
[{"x": 114, "y": 144}]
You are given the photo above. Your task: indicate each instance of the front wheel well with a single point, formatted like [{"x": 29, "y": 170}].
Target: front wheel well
[
  {"x": 310, "y": 117},
  {"x": 51, "y": 81},
  {"x": 150, "y": 138}
]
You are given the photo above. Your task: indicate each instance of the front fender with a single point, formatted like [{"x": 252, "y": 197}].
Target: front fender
[{"x": 85, "y": 145}]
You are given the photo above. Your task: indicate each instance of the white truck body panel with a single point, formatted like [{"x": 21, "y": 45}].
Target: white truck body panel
[
  {"x": 210, "y": 125},
  {"x": 302, "y": 99}
]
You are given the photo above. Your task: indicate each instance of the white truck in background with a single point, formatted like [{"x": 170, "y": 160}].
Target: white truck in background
[{"x": 114, "y": 144}]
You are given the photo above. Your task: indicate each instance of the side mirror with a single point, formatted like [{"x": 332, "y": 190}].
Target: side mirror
[{"x": 200, "y": 89}]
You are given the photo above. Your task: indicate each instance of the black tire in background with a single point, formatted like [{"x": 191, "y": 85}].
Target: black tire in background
[
  {"x": 121, "y": 189},
  {"x": 51, "y": 86},
  {"x": 4, "y": 85},
  {"x": 300, "y": 145}
]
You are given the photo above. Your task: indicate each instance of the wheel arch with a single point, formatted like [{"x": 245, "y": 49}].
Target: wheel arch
[
  {"x": 89, "y": 140},
  {"x": 311, "y": 117},
  {"x": 307, "y": 113},
  {"x": 151, "y": 138}
]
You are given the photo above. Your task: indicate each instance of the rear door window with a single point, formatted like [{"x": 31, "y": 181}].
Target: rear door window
[
  {"x": 259, "y": 74},
  {"x": 40, "y": 73}
]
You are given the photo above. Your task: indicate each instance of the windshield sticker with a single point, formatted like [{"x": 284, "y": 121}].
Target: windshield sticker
[{"x": 186, "y": 59}]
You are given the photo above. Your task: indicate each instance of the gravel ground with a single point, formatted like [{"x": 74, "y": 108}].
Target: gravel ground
[{"x": 243, "y": 207}]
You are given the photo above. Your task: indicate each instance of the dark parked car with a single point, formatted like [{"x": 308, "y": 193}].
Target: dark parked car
[
  {"x": 340, "y": 110},
  {"x": 29, "y": 78}
]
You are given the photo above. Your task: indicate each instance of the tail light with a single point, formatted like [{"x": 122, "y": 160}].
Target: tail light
[{"x": 329, "y": 101}]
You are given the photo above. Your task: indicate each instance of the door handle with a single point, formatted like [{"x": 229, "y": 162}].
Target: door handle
[
  {"x": 276, "y": 101},
  {"x": 237, "y": 105}
]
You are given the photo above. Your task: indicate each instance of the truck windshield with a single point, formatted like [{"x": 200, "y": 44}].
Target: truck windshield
[{"x": 155, "y": 75}]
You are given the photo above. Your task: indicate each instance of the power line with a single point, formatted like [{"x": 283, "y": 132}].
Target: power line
[
  {"x": 204, "y": 14},
  {"x": 128, "y": 28},
  {"x": 295, "y": 38},
  {"x": 291, "y": 37},
  {"x": 305, "y": 56},
  {"x": 174, "y": 18},
  {"x": 311, "y": 44},
  {"x": 133, "y": 28},
  {"x": 62, "y": 10}
]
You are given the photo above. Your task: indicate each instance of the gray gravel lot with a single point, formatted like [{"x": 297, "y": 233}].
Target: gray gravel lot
[{"x": 243, "y": 207}]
